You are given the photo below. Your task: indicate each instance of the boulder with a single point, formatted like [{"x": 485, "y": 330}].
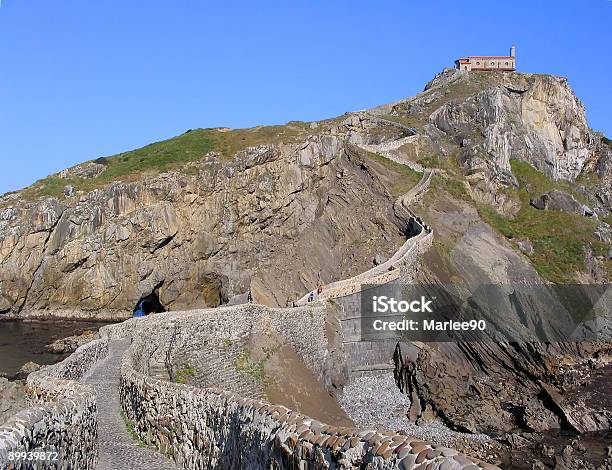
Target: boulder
[
  {"x": 525, "y": 246},
  {"x": 71, "y": 343},
  {"x": 12, "y": 398},
  {"x": 27, "y": 369},
  {"x": 556, "y": 200}
]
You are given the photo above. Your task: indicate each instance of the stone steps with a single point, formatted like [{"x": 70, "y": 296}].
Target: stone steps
[{"x": 157, "y": 370}]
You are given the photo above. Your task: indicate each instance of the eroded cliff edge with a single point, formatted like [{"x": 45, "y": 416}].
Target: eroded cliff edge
[
  {"x": 520, "y": 193},
  {"x": 216, "y": 213},
  {"x": 209, "y": 231}
]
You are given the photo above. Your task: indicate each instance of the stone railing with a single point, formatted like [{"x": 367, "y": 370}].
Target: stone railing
[
  {"x": 211, "y": 428},
  {"x": 390, "y": 150},
  {"x": 414, "y": 195},
  {"x": 385, "y": 272},
  {"x": 405, "y": 257},
  {"x": 63, "y": 418},
  {"x": 304, "y": 329}
]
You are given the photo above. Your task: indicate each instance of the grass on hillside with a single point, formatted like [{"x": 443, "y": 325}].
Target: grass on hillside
[
  {"x": 170, "y": 154},
  {"x": 558, "y": 238},
  {"x": 539, "y": 183},
  {"x": 456, "y": 91},
  {"x": 455, "y": 187},
  {"x": 406, "y": 177}
]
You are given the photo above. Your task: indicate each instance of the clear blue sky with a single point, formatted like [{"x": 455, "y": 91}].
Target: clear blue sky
[{"x": 82, "y": 79}]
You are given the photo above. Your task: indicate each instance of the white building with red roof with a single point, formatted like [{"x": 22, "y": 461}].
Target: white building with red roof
[{"x": 485, "y": 62}]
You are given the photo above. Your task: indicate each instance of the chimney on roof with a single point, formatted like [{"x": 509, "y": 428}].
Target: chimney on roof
[{"x": 513, "y": 51}]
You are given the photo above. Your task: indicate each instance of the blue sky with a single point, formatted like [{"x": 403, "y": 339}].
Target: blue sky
[{"x": 83, "y": 79}]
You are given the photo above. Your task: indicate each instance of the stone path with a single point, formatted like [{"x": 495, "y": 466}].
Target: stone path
[{"x": 116, "y": 447}]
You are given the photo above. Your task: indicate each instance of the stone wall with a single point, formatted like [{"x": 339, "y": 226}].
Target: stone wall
[
  {"x": 210, "y": 428},
  {"x": 304, "y": 329},
  {"x": 403, "y": 262},
  {"x": 213, "y": 365},
  {"x": 62, "y": 418}
]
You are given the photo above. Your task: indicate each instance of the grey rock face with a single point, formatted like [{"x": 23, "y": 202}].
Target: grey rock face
[
  {"x": 12, "y": 398},
  {"x": 84, "y": 170},
  {"x": 277, "y": 218},
  {"x": 497, "y": 117},
  {"x": 235, "y": 226},
  {"x": 27, "y": 369},
  {"x": 528, "y": 117},
  {"x": 556, "y": 200},
  {"x": 525, "y": 246}
]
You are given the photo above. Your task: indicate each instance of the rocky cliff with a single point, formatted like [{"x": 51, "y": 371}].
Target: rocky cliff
[
  {"x": 271, "y": 220},
  {"x": 206, "y": 217}
]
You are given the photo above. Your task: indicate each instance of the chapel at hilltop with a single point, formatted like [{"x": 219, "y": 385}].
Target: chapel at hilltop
[{"x": 484, "y": 62}]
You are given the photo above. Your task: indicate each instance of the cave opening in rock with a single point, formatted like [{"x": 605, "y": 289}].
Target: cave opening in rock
[{"x": 148, "y": 304}]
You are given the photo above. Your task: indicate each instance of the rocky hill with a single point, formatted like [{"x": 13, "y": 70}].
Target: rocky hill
[{"x": 522, "y": 191}]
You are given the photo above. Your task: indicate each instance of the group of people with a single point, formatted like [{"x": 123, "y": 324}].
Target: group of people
[{"x": 315, "y": 293}]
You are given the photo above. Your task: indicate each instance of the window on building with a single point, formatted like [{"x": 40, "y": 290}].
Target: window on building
[{"x": 477, "y": 63}]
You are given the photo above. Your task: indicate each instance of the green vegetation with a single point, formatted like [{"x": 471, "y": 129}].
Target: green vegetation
[
  {"x": 538, "y": 183},
  {"x": 558, "y": 238},
  {"x": 443, "y": 248},
  {"x": 183, "y": 374},
  {"x": 130, "y": 428},
  {"x": 453, "y": 186},
  {"x": 171, "y": 154},
  {"x": 406, "y": 178},
  {"x": 431, "y": 161},
  {"x": 245, "y": 364}
]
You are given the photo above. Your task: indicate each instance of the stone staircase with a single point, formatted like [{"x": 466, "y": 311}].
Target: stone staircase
[
  {"x": 363, "y": 357},
  {"x": 158, "y": 370}
]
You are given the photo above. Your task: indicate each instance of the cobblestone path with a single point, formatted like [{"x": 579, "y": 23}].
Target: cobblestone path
[{"x": 116, "y": 447}]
